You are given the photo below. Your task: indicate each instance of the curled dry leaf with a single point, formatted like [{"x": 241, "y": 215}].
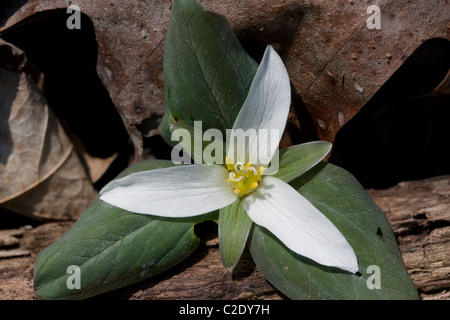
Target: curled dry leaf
[{"x": 40, "y": 173}]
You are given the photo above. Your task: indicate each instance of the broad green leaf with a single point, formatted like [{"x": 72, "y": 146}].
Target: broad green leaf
[
  {"x": 114, "y": 248},
  {"x": 296, "y": 160},
  {"x": 207, "y": 73},
  {"x": 203, "y": 147},
  {"x": 234, "y": 226},
  {"x": 341, "y": 198}
]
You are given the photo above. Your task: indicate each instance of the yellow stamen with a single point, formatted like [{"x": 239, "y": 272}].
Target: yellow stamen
[
  {"x": 244, "y": 178},
  {"x": 229, "y": 163}
]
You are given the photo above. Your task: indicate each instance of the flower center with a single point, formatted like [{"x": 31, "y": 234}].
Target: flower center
[{"x": 244, "y": 178}]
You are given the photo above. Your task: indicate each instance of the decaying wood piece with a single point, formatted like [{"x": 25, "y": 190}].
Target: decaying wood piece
[
  {"x": 335, "y": 61},
  {"x": 9, "y": 240},
  {"x": 16, "y": 274},
  {"x": 419, "y": 212}
]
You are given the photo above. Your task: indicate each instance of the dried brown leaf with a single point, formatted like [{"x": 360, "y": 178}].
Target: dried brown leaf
[{"x": 40, "y": 173}]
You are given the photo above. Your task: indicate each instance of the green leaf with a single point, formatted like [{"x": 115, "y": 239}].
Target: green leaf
[
  {"x": 164, "y": 127},
  {"x": 207, "y": 73},
  {"x": 341, "y": 198},
  {"x": 114, "y": 248},
  {"x": 199, "y": 145},
  {"x": 296, "y": 160},
  {"x": 234, "y": 227}
]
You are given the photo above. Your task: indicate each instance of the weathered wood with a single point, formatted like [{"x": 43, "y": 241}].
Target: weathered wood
[{"x": 419, "y": 212}]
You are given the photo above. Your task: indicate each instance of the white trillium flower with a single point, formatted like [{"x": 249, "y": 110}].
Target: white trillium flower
[{"x": 191, "y": 190}]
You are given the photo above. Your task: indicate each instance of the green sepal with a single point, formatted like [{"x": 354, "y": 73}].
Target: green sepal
[
  {"x": 296, "y": 160},
  {"x": 234, "y": 227}
]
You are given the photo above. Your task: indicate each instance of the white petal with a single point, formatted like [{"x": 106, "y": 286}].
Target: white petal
[
  {"x": 180, "y": 191},
  {"x": 266, "y": 106},
  {"x": 279, "y": 208}
]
